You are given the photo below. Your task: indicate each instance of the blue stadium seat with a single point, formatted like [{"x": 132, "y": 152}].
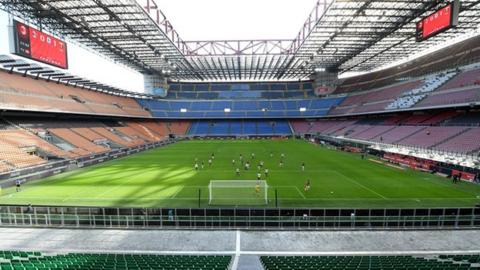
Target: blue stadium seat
[
  {"x": 221, "y": 105},
  {"x": 220, "y": 87},
  {"x": 293, "y": 86},
  {"x": 241, "y": 108},
  {"x": 215, "y": 114},
  {"x": 249, "y": 127},
  {"x": 272, "y": 94},
  {"x": 236, "y": 128},
  {"x": 245, "y": 105},
  {"x": 256, "y": 114},
  {"x": 277, "y": 104},
  {"x": 240, "y": 127},
  {"x": 174, "y": 87},
  {"x": 186, "y": 95},
  {"x": 264, "y": 128},
  {"x": 201, "y": 87},
  {"x": 278, "y": 86},
  {"x": 293, "y": 94},
  {"x": 282, "y": 128},
  {"x": 220, "y": 128},
  {"x": 291, "y": 105},
  {"x": 236, "y": 114},
  {"x": 188, "y": 87},
  {"x": 177, "y": 105},
  {"x": 203, "y": 128},
  {"x": 201, "y": 106},
  {"x": 264, "y": 104},
  {"x": 207, "y": 95}
]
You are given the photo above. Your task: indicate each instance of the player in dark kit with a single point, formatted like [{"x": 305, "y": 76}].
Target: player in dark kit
[{"x": 18, "y": 183}]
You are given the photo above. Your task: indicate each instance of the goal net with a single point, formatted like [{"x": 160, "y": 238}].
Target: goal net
[{"x": 238, "y": 192}]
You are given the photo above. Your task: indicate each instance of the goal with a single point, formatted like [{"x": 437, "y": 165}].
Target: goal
[{"x": 237, "y": 192}]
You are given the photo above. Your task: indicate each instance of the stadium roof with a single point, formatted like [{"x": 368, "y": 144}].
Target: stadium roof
[
  {"x": 339, "y": 35},
  {"x": 17, "y": 65}
]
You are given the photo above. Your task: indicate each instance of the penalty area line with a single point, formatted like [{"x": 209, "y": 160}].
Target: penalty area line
[
  {"x": 301, "y": 194},
  {"x": 359, "y": 184}
]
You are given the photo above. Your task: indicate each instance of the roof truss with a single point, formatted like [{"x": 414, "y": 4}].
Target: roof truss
[{"x": 341, "y": 35}]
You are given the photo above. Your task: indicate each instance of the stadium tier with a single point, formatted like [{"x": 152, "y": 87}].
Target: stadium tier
[
  {"x": 240, "y": 90},
  {"x": 28, "y": 142},
  {"x": 240, "y": 128},
  {"x": 242, "y": 100},
  {"x": 430, "y": 91},
  {"x": 13, "y": 260},
  {"x": 450, "y": 131},
  {"x": 258, "y": 108},
  {"x": 23, "y": 93},
  {"x": 437, "y": 262}
]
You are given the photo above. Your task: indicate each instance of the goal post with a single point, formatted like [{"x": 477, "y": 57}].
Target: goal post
[{"x": 238, "y": 192}]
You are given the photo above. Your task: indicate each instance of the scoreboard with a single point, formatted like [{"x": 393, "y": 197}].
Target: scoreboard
[
  {"x": 439, "y": 21},
  {"x": 37, "y": 45}
]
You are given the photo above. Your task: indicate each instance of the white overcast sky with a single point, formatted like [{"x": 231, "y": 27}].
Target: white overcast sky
[{"x": 237, "y": 19}]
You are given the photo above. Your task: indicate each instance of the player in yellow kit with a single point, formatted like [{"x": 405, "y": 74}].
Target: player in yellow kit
[{"x": 257, "y": 189}]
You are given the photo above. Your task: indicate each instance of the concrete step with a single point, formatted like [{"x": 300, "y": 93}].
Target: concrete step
[{"x": 249, "y": 262}]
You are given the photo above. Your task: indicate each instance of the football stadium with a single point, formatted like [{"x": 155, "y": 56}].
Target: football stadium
[{"x": 253, "y": 135}]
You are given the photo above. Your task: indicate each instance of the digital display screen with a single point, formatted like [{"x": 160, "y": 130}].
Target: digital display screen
[
  {"x": 437, "y": 22},
  {"x": 36, "y": 45}
]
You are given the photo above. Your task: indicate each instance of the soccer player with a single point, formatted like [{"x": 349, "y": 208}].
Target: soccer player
[
  {"x": 253, "y": 155},
  {"x": 303, "y": 166},
  {"x": 196, "y": 166},
  {"x": 266, "y": 172},
  {"x": 237, "y": 171},
  {"x": 257, "y": 189},
  {"x": 259, "y": 176},
  {"x": 247, "y": 165},
  {"x": 282, "y": 156},
  {"x": 261, "y": 163},
  {"x": 233, "y": 162},
  {"x": 280, "y": 164},
  {"x": 210, "y": 162},
  {"x": 271, "y": 154},
  {"x": 18, "y": 183},
  {"x": 306, "y": 187},
  {"x": 213, "y": 155},
  {"x": 203, "y": 164}
]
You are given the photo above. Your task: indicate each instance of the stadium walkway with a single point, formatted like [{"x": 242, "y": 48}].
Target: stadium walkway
[{"x": 244, "y": 244}]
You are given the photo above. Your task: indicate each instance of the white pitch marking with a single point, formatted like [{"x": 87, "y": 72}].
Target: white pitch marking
[
  {"x": 353, "y": 181},
  {"x": 301, "y": 194}
]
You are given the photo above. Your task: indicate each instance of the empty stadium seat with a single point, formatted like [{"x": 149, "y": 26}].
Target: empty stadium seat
[
  {"x": 368, "y": 262},
  {"x": 16, "y": 260}
]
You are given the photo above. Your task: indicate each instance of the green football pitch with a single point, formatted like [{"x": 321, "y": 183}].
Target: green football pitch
[{"x": 166, "y": 177}]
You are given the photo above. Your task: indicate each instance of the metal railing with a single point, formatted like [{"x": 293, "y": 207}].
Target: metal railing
[{"x": 237, "y": 218}]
